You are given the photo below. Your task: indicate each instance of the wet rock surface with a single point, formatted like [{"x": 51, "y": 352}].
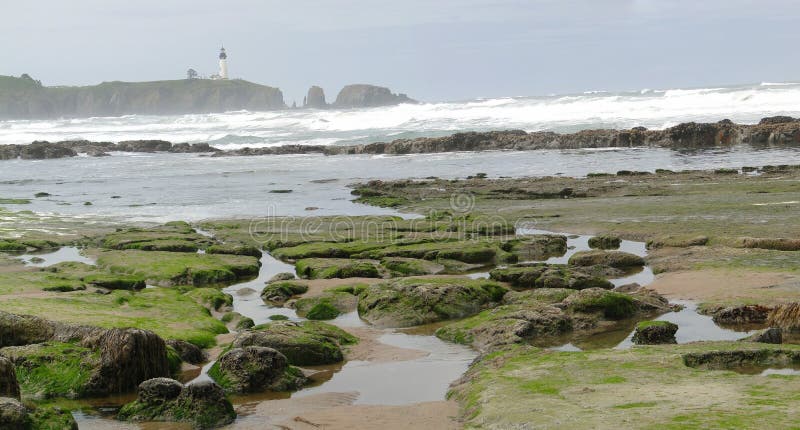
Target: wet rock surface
[
  {"x": 187, "y": 351},
  {"x": 13, "y": 415},
  {"x": 9, "y": 387},
  {"x": 203, "y": 404},
  {"x": 655, "y": 333},
  {"x": 254, "y": 369},
  {"x": 772, "y": 335},
  {"x": 304, "y": 344},
  {"x": 414, "y": 301},
  {"x": 770, "y": 131},
  {"x": 125, "y": 357}
]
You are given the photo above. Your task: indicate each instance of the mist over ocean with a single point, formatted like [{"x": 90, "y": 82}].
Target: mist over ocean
[{"x": 566, "y": 113}]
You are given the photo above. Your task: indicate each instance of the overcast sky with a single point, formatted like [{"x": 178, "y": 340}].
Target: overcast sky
[{"x": 430, "y": 49}]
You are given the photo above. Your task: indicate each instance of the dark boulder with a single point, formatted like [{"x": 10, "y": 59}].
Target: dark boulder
[
  {"x": 9, "y": 387},
  {"x": 771, "y": 335},
  {"x": 127, "y": 357},
  {"x": 746, "y": 314},
  {"x": 144, "y": 146},
  {"x": 13, "y": 415},
  {"x": 45, "y": 150},
  {"x": 316, "y": 98},
  {"x": 187, "y": 351},
  {"x": 159, "y": 390},
  {"x": 203, "y": 404},
  {"x": 779, "y": 119},
  {"x": 361, "y": 95},
  {"x": 256, "y": 368},
  {"x": 655, "y": 333}
]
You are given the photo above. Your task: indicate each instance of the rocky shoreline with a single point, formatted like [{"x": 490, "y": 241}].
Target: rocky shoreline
[{"x": 771, "y": 131}]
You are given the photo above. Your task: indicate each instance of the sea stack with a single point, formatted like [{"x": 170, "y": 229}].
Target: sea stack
[{"x": 316, "y": 98}]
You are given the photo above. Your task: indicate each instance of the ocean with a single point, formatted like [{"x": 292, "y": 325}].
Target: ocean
[{"x": 159, "y": 187}]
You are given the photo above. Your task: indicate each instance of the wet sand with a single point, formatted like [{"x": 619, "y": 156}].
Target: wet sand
[
  {"x": 332, "y": 411},
  {"x": 719, "y": 284}
]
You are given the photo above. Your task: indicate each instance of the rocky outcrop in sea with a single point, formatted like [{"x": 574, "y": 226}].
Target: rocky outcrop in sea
[{"x": 772, "y": 131}]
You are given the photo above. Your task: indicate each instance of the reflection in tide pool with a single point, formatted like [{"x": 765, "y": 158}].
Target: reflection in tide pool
[{"x": 48, "y": 258}]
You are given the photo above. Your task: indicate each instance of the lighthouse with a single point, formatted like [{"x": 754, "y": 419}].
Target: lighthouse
[{"x": 223, "y": 64}]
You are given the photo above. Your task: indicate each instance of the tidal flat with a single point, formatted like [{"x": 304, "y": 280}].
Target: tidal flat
[{"x": 491, "y": 303}]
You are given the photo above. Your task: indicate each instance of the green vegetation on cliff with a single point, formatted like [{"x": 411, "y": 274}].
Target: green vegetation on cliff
[{"x": 24, "y": 98}]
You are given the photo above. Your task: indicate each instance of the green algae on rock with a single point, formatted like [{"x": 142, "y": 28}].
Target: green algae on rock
[
  {"x": 406, "y": 302},
  {"x": 203, "y": 404},
  {"x": 328, "y": 268},
  {"x": 254, "y": 369},
  {"x": 306, "y": 343}
]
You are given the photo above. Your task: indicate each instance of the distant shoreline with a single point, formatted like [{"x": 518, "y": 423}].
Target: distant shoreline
[{"x": 770, "y": 131}]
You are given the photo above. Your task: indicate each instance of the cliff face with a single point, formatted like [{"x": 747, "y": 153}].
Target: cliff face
[
  {"x": 316, "y": 98},
  {"x": 24, "y": 98},
  {"x": 360, "y": 95}
]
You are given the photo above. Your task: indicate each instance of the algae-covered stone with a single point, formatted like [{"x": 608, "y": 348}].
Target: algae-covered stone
[
  {"x": 400, "y": 266},
  {"x": 508, "y": 324},
  {"x": 179, "y": 268},
  {"x": 617, "y": 259},
  {"x": 187, "y": 351},
  {"x": 306, "y": 343},
  {"x": 52, "y": 418},
  {"x": 280, "y": 291},
  {"x": 610, "y": 304},
  {"x": 13, "y": 415},
  {"x": 115, "y": 282},
  {"x": 338, "y": 301},
  {"x": 323, "y": 311},
  {"x": 548, "y": 276},
  {"x": 537, "y": 247},
  {"x": 605, "y": 241},
  {"x": 772, "y": 335},
  {"x": 9, "y": 387},
  {"x": 254, "y": 369},
  {"x": 655, "y": 333},
  {"x": 283, "y": 276},
  {"x": 407, "y": 302},
  {"x": 203, "y": 404},
  {"x": 234, "y": 249},
  {"x": 328, "y": 268}
]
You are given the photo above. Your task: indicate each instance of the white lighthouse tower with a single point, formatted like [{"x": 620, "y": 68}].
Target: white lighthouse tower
[{"x": 223, "y": 64}]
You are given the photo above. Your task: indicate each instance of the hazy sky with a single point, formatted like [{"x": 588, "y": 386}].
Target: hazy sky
[{"x": 430, "y": 49}]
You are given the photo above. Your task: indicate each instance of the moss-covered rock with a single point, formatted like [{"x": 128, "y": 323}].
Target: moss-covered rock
[
  {"x": 605, "y": 241},
  {"x": 211, "y": 298},
  {"x": 280, "y": 291},
  {"x": 472, "y": 252},
  {"x": 304, "y": 344},
  {"x": 12, "y": 246},
  {"x": 548, "y": 276},
  {"x": 537, "y": 247},
  {"x": 324, "y": 250},
  {"x": 617, "y": 259},
  {"x": 400, "y": 266},
  {"x": 283, "y": 276},
  {"x": 655, "y": 333},
  {"x": 676, "y": 241},
  {"x": 508, "y": 324},
  {"x": 13, "y": 415},
  {"x": 203, "y": 404},
  {"x": 328, "y": 268},
  {"x": 115, "y": 282},
  {"x": 610, "y": 304},
  {"x": 187, "y": 352},
  {"x": 51, "y": 418},
  {"x": 9, "y": 387},
  {"x": 329, "y": 305},
  {"x": 254, "y": 369},
  {"x": 407, "y": 302},
  {"x": 234, "y": 249},
  {"x": 176, "y": 268}
]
